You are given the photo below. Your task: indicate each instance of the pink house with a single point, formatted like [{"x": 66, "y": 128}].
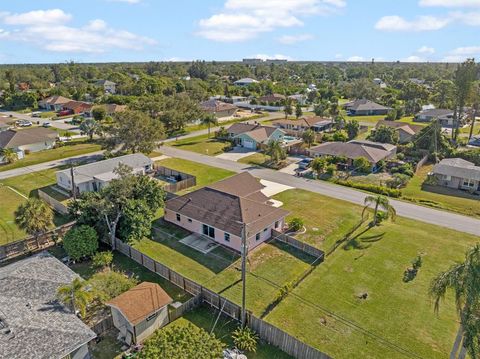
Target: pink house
[{"x": 219, "y": 212}]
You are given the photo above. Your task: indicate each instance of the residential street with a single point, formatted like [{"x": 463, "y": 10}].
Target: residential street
[
  {"x": 404, "y": 209},
  {"x": 60, "y": 124}
]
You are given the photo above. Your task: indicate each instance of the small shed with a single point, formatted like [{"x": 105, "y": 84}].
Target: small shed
[{"x": 138, "y": 312}]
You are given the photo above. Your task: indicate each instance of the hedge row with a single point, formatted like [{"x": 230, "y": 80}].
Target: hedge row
[{"x": 390, "y": 192}]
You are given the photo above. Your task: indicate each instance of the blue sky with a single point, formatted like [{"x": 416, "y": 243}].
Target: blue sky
[{"x": 37, "y": 31}]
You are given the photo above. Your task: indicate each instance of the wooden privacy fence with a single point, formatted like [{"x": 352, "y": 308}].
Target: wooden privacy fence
[
  {"x": 182, "y": 180},
  {"x": 302, "y": 246},
  {"x": 190, "y": 304},
  {"x": 268, "y": 332},
  {"x": 421, "y": 163},
  {"x": 103, "y": 325},
  {"x": 30, "y": 244}
]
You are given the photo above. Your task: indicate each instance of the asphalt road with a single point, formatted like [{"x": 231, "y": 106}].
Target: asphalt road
[{"x": 424, "y": 214}]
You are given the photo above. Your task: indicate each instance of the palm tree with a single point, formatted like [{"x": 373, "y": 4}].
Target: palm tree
[
  {"x": 209, "y": 120},
  {"x": 75, "y": 295},
  {"x": 464, "y": 280},
  {"x": 34, "y": 216},
  {"x": 9, "y": 155},
  {"x": 276, "y": 151},
  {"x": 379, "y": 202},
  {"x": 89, "y": 127},
  {"x": 308, "y": 137}
]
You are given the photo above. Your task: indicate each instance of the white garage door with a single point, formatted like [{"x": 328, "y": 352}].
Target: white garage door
[{"x": 249, "y": 144}]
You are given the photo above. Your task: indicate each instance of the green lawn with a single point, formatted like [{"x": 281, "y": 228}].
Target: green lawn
[
  {"x": 270, "y": 266},
  {"x": 204, "y": 317},
  {"x": 326, "y": 219},
  {"x": 394, "y": 311},
  {"x": 440, "y": 197},
  {"x": 69, "y": 150},
  {"x": 201, "y": 144},
  {"x": 257, "y": 159},
  {"x": 26, "y": 185},
  {"x": 205, "y": 174}
]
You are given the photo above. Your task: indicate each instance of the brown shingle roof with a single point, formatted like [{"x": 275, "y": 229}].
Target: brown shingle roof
[
  {"x": 138, "y": 303},
  {"x": 229, "y": 203},
  {"x": 351, "y": 151},
  {"x": 56, "y": 100},
  {"x": 408, "y": 128},
  {"x": 72, "y": 105},
  {"x": 15, "y": 138},
  {"x": 216, "y": 106}
]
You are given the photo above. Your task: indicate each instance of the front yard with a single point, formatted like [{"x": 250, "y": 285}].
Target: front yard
[
  {"x": 201, "y": 144},
  {"x": 440, "y": 197},
  {"x": 69, "y": 150}
]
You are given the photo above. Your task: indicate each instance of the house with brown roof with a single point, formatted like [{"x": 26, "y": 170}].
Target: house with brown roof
[
  {"x": 274, "y": 98},
  {"x": 139, "y": 311},
  {"x": 113, "y": 108},
  {"x": 53, "y": 103},
  {"x": 315, "y": 123},
  {"x": 374, "y": 152},
  {"x": 78, "y": 107},
  {"x": 254, "y": 136},
  {"x": 218, "y": 108},
  {"x": 406, "y": 131},
  {"x": 220, "y": 212},
  {"x": 29, "y": 140}
]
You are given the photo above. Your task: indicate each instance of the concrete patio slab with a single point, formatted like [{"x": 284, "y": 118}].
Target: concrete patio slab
[{"x": 199, "y": 243}]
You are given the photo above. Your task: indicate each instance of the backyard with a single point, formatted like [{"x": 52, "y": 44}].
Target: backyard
[
  {"x": 68, "y": 150},
  {"x": 440, "y": 197},
  {"x": 201, "y": 144}
]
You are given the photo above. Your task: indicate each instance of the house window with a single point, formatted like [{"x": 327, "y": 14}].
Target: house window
[
  {"x": 189, "y": 220},
  {"x": 257, "y": 237},
  {"x": 468, "y": 183},
  {"x": 208, "y": 231},
  {"x": 266, "y": 229},
  {"x": 226, "y": 236},
  {"x": 153, "y": 316},
  {"x": 178, "y": 217},
  {"x": 276, "y": 224}
]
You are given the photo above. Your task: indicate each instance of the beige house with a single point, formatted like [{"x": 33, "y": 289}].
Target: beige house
[
  {"x": 140, "y": 311},
  {"x": 221, "y": 210},
  {"x": 405, "y": 130},
  {"x": 28, "y": 140},
  {"x": 218, "y": 108},
  {"x": 53, "y": 103},
  {"x": 457, "y": 173}
]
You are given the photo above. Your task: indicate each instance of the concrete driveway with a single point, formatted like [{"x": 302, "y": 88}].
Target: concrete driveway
[{"x": 236, "y": 154}]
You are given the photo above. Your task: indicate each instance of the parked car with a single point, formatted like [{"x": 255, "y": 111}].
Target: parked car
[
  {"x": 23, "y": 123},
  {"x": 36, "y": 114},
  {"x": 305, "y": 163},
  {"x": 47, "y": 124}
]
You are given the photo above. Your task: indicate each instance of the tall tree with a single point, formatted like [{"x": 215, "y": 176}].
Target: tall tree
[
  {"x": 465, "y": 75},
  {"x": 287, "y": 107},
  {"x": 353, "y": 128},
  {"x": 89, "y": 126},
  {"x": 8, "y": 155},
  {"x": 276, "y": 152},
  {"x": 379, "y": 203},
  {"x": 298, "y": 111},
  {"x": 308, "y": 137},
  {"x": 209, "y": 120},
  {"x": 464, "y": 280},
  {"x": 76, "y": 295},
  {"x": 34, "y": 216}
]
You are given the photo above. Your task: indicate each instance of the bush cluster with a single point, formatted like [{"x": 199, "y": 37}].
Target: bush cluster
[{"x": 390, "y": 192}]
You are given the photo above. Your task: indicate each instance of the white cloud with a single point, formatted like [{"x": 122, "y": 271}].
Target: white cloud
[
  {"x": 356, "y": 59},
  {"x": 421, "y": 23},
  {"x": 272, "y": 57},
  {"x": 53, "y": 34},
  {"x": 450, "y": 3},
  {"x": 426, "y": 50},
  {"x": 414, "y": 58},
  {"x": 454, "y": 58},
  {"x": 338, "y": 56},
  {"x": 127, "y": 1},
  {"x": 467, "y": 50},
  {"x": 468, "y": 18},
  {"x": 293, "y": 39},
  {"x": 241, "y": 20}
]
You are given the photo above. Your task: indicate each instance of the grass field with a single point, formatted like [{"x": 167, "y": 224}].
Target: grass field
[
  {"x": 257, "y": 159},
  {"x": 325, "y": 310},
  {"x": 440, "y": 197},
  {"x": 26, "y": 185},
  {"x": 201, "y": 144},
  {"x": 204, "y": 317},
  {"x": 69, "y": 150},
  {"x": 205, "y": 174}
]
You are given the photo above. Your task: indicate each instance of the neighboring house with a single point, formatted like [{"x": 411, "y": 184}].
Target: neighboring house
[
  {"x": 245, "y": 82},
  {"x": 23, "y": 86},
  {"x": 475, "y": 141},
  {"x": 365, "y": 107},
  {"x": 301, "y": 99},
  {"x": 405, "y": 131},
  {"x": 108, "y": 86},
  {"x": 78, "y": 108},
  {"x": 221, "y": 210},
  {"x": 112, "y": 108},
  {"x": 315, "y": 123},
  {"x": 272, "y": 98},
  {"x": 218, "y": 108},
  {"x": 4, "y": 127},
  {"x": 379, "y": 82},
  {"x": 445, "y": 117},
  {"x": 138, "y": 312},
  {"x": 254, "y": 136},
  {"x": 53, "y": 103},
  {"x": 94, "y": 176},
  {"x": 231, "y": 99},
  {"x": 457, "y": 173},
  {"x": 33, "y": 323},
  {"x": 28, "y": 140},
  {"x": 374, "y": 152}
]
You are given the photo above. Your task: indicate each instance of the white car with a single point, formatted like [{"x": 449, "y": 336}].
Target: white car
[
  {"x": 47, "y": 124},
  {"x": 24, "y": 123}
]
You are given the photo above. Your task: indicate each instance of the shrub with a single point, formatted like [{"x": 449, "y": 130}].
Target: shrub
[
  {"x": 108, "y": 285},
  {"x": 245, "y": 339},
  {"x": 340, "y": 136},
  {"x": 102, "y": 259},
  {"x": 398, "y": 180},
  {"x": 295, "y": 224},
  {"x": 417, "y": 262},
  {"x": 331, "y": 169},
  {"x": 362, "y": 165},
  {"x": 391, "y": 192},
  {"x": 81, "y": 242}
]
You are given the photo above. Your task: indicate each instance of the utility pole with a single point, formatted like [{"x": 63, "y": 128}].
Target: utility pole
[
  {"x": 244, "y": 273},
  {"x": 74, "y": 193},
  {"x": 435, "y": 129}
]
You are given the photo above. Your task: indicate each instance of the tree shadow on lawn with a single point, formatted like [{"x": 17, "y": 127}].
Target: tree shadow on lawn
[
  {"x": 294, "y": 252},
  {"x": 448, "y": 191},
  {"x": 358, "y": 243}
]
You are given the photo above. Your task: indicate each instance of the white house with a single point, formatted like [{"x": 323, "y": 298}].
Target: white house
[
  {"x": 94, "y": 176},
  {"x": 29, "y": 140},
  {"x": 108, "y": 86},
  {"x": 245, "y": 81}
]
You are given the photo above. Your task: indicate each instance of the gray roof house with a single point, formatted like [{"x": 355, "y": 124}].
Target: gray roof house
[
  {"x": 444, "y": 116},
  {"x": 33, "y": 324},
  {"x": 364, "y": 107},
  {"x": 457, "y": 173},
  {"x": 108, "y": 86},
  {"x": 94, "y": 176},
  {"x": 245, "y": 81}
]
